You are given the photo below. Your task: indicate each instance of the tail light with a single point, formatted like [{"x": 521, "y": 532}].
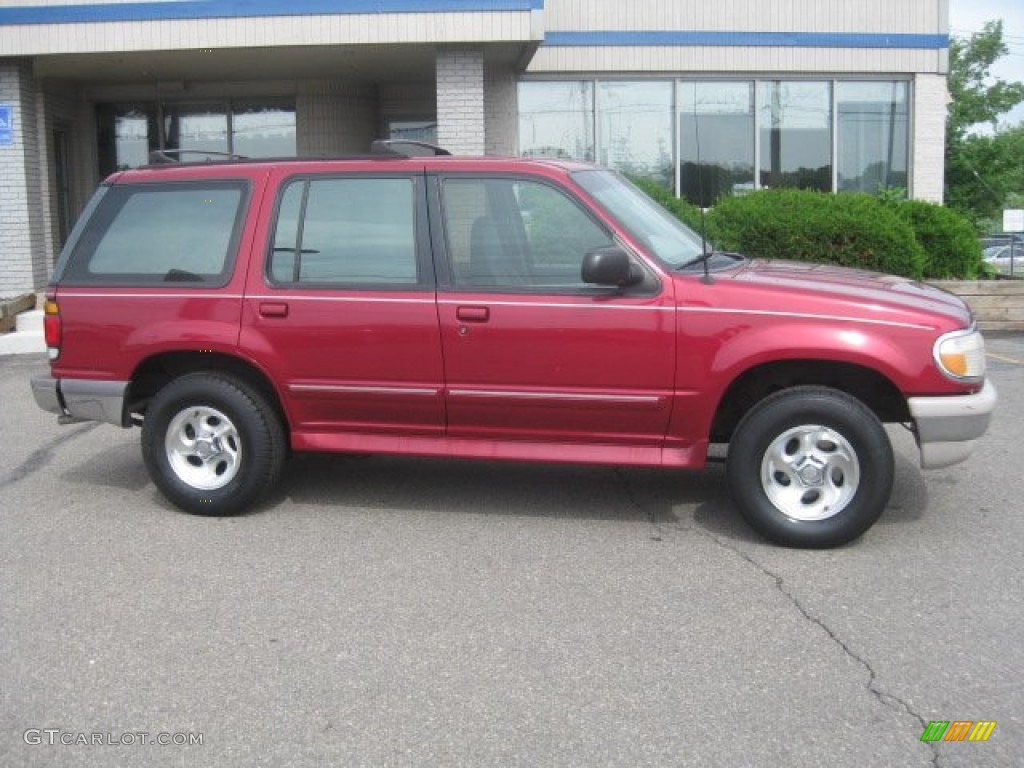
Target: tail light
[{"x": 51, "y": 328}]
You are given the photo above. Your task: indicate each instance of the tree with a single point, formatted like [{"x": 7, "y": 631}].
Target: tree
[{"x": 981, "y": 170}]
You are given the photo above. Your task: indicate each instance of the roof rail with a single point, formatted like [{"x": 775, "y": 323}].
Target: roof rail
[
  {"x": 406, "y": 148},
  {"x": 166, "y": 156}
]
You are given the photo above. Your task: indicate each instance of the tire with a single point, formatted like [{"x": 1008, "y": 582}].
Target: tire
[
  {"x": 212, "y": 445},
  {"x": 810, "y": 467}
]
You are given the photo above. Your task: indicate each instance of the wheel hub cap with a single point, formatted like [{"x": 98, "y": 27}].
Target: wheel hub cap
[
  {"x": 203, "y": 448},
  {"x": 810, "y": 472}
]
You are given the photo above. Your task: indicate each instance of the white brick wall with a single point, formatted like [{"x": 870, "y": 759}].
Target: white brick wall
[
  {"x": 929, "y": 142},
  {"x": 460, "y": 100},
  {"x": 23, "y": 263}
]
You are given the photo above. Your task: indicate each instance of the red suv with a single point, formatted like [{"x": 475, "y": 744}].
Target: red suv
[{"x": 490, "y": 308}]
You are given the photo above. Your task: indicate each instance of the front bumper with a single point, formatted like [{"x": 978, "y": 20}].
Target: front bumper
[
  {"x": 81, "y": 399},
  {"x": 947, "y": 427}
]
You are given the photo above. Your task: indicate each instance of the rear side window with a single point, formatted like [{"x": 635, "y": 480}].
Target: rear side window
[
  {"x": 346, "y": 231},
  {"x": 147, "y": 234}
]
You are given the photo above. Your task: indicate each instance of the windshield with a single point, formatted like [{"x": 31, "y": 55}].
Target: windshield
[{"x": 661, "y": 233}]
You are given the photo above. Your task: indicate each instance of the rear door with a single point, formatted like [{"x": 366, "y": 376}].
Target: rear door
[
  {"x": 343, "y": 312},
  {"x": 530, "y": 351}
]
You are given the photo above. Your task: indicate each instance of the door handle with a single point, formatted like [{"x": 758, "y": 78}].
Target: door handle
[
  {"x": 473, "y": 314},
  {"x": 273, "y": 309}
]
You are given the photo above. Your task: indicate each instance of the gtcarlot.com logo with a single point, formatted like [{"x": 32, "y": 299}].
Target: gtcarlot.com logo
[
  {"x": 958, "y": 730},
  {"x": 58, "y": 737}
]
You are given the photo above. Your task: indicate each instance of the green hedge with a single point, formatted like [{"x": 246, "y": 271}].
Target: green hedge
[
  {"x": 887, "y": 234},
  {"x": 949, "y": 242},
  {"x": 851, "y": 230}
]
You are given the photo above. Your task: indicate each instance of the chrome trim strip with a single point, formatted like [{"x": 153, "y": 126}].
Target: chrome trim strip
[
  {"x": 348, "y": 388},
  {"x": 468, "y": 301},
  {"x": 63, "y": 293},
  {"x": 567, "y": 396},
  {"x": 805, "y": 316},
  {"x": 349, "y": 299}
]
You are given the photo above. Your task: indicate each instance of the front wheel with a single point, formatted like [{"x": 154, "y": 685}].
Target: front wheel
[
  {"x": 212, "y": 445},
  {"x": 810, "y": 467}
]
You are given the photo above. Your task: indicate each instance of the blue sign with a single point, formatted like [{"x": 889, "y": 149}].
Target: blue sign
[{"x": 6, "y": 125}]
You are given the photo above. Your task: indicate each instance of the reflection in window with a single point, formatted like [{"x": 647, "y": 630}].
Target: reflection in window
[
  {"x": 510, "y": 233},
  {"x": 873, "y": 135},
  {"x": 263, "y": 130},
  {"x": 126, "y": 134},
  {"x": 716, "y": 140},
  {"x": 635, "y": 128},
  {"x": 195, "y": 127},
  {"x": 556, "y": 119},
  {"x": 795, "y": 120}
]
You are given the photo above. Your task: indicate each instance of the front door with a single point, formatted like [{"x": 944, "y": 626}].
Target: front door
[{"x": 530, "y": 351}]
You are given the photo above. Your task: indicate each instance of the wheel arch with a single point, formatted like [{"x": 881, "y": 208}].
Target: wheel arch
[
  {"x": 867, "y": 385},
  {"x": 155, "y": 372}
]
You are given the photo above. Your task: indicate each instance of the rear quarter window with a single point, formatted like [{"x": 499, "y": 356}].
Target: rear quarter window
[{"x": 153, "y": 234}]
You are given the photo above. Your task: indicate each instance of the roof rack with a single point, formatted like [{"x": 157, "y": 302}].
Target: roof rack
[
  {"x": 167, "y": 156},
  {"x": 406, "y": 148}
]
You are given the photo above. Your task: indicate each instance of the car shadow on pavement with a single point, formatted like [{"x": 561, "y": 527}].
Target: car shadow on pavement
[{"x": 485, "y": 487}]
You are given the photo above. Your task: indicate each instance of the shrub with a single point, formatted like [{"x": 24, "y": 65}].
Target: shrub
[
  {"x": 851, "y": 230},
  {"x": 950, "y": 244}
]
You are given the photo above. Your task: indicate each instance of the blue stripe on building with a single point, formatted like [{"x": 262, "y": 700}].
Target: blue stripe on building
[
  {"x": 755, "y": 39},
  {"x": 211, "y": 9}
]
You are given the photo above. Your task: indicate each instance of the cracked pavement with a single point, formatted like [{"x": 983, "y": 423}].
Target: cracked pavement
[{"x": 383, "y": 611}]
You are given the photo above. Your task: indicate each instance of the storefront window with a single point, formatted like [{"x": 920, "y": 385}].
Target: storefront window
[
  {"x": 873, "y": 135},
  {"x": 635, "y": 128},
  {"x": 263, "y": 130},
  {"x": 795, "y": 125},
  {"x": 127, "y": 133},
  {"x": 716, "y": 140},
  {"x": 195, "y": 127},
  {"x": 556, "y": 119}
]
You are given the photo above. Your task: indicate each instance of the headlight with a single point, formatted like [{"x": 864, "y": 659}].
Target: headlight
[{"x": 961, "y": 355}]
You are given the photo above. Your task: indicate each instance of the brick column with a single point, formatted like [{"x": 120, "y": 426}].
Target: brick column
[
  {"x": 460, "y": 100},
  {"x": 23, "y": 262},
  {"x": 929, "y": 141}
]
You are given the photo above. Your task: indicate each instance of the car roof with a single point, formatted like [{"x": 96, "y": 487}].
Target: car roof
[{"x": 359, "y": 163}]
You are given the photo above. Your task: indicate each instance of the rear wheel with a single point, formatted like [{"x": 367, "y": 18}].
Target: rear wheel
[
  {"x": 212, "y": 445},
  {"x": 810, "y": 467}
]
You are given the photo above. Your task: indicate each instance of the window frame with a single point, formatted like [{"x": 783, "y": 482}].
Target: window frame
[
  {"x": 75, "y": 271},
  {"x": 425, "y": 279},
  {"x": 650, "y": 285}
]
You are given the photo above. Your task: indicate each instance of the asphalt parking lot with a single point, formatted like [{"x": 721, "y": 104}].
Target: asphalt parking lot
[{"x": 385, "y": 611}]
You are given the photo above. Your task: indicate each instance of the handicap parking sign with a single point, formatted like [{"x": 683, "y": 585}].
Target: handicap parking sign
[{"x": 6, "y": 125}]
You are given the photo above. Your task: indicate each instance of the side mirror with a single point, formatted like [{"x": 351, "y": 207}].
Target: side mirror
[{"x": 610, "y": 266}]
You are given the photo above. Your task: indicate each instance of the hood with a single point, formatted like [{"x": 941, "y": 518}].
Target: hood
[{"x": 880, "y": 296}]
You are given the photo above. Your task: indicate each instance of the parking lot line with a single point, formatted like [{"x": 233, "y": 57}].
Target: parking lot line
[{"x": 1004, "y": 358}]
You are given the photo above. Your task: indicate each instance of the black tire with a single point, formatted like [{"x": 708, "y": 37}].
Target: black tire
[
  {"x": 212, "y": 445},
  {"x": 810, "y": 467}
]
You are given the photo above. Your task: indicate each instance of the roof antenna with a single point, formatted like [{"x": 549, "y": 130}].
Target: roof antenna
[{"x": 705, "y": 256}]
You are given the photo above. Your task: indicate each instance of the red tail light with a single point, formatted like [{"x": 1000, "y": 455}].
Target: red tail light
[{"x": 51, "y": 327}]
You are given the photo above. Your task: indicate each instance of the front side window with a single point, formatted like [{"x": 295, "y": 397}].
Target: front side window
[
  {"x": 161, "y": 233},
  {"x": 346, "y": 231},
  {"x": 517, "y": 234}
]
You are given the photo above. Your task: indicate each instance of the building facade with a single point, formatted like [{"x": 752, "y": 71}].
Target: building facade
[{"x": 709, "y": 98}]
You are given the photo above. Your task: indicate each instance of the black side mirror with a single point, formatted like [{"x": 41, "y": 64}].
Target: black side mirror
[{"x": 610, "y": 266}]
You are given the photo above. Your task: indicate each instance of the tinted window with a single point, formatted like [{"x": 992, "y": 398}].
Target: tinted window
[
  {"x": 516, "y": 233},
  {"x": 157, "y": 233},
  {"x": 338, "y": 231}
]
